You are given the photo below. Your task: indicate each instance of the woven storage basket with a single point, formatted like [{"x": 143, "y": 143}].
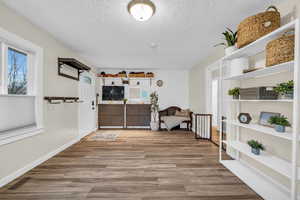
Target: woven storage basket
[
  {"x": 257, "y": 26},
  {"x": 280, "y": 50}
]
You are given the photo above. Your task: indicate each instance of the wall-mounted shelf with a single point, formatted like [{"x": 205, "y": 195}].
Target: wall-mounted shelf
[
  {"x": 263, "y": 185},
  {"x": 277, "y": 164},
  {"x": 260, "y": 44},
  {"x": 266, "y": 71},
  {"x": 262, "y": 129},
  {"x": 59, "y": 100},
  {"x": 73, "y": 63}
]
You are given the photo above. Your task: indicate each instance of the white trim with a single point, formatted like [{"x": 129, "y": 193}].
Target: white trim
[
  {"x": 19, "y": 135},
  {"x": 35, "y": 163}
]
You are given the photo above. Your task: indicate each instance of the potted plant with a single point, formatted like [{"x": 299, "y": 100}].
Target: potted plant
[
  {"x": 286, "y": 89},
  {"x": 280, "y": 123},
  {"x": 125, "y": 101},
  {"x": 231, "y": 38},
  {"x": 255, "y": 147},
  {"x": 235, "y": 92},
  {"x": 154, "y": 109}
]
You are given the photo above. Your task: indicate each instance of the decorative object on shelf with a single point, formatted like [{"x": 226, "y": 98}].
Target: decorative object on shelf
[
  {"x": 125, "y": 101},
  {"x": 254, "y": 27},
  {"x": 280, "y": 123},
  {"x": 122, "y": 74},
  {"x": 255, "y": 146},
  {"x": 141, "y": 10},
  {"x": 244, "y": 118},
  {"x": 112, "y": 82},
  {"x": 265, "y": 117},
  {"x": 137, "y": 75},
  {"x": 138, "y": 83},
  {"x": 125, "y": 82},
  {"x": 258, "y": 93},
  {"x": 238, "y": 65},
  {"x": 231, "y": 38},
  {"x": 252, "y": 69},
  {"x": 235, "y": 93},
  {"x": 286, "y": 89},
  {"x": 154, "y": 124},
  {"x": 150, "y": 75},
  {"x": 64, "y": 64},
  {"x": 159, "y": 83},
  {"x": 281, "y": 50}
]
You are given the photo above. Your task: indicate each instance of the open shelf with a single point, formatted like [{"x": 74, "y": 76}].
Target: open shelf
[
  {"x": 258, "y": 100},
  {"x": 262, "y": 129},
  {"x": 277, "y": 164},
  {"x": 261, "y": 184},
  {"x": 266, "y": 71},
  {"x": 259, "y": 45}
]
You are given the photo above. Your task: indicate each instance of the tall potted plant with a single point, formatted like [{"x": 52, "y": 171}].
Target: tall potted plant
[
  {"x": 230, "y": 38},
  {"x": 154, "y": 111}
]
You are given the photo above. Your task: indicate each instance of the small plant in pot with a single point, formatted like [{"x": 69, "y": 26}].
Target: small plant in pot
[
  {"x": 154, "y": 109},
  {"x": 125, "y": 101},
  {"x": 231, "y": 38},
  {"x": 255, "y": 147},
  {"x": 235, "y": 93},
  {"x": 280, "y": 122},
  {"x": 286, "y": 89}
]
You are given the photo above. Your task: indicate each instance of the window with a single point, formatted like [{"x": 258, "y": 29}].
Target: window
[
  {"x": 16, "y": 72},
  {"x": 21, "y": 84}
]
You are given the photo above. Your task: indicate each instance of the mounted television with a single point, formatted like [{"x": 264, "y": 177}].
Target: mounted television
[{"x": 112, "y": 93}]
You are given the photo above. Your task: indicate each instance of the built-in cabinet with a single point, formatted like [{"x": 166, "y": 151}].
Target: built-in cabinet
[{"x": 124, "y": 116}]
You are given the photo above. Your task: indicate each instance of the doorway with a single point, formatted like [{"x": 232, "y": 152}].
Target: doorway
[{"x": 88, "y": 104}]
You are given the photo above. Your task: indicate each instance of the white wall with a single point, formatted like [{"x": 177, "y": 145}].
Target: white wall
[
  {"x": 60, "y": 121},
  {"x": 175, "y": 89}
]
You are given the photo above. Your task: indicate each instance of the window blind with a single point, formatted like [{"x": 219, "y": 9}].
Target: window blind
[{"x": 16, "y": 112}]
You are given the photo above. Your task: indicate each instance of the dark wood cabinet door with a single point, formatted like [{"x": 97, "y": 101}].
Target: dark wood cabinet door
[
  {"x": 138, "y": 115},
  {"x": 111, "y": 115}
]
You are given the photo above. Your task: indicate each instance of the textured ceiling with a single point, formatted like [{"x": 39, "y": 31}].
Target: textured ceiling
[{"x": 179, "y": 35}]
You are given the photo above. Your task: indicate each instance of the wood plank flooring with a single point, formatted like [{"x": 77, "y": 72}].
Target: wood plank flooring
[{"x": 138, "y": 165}]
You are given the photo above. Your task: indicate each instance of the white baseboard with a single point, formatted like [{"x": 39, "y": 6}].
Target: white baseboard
[{"x": 37, "y": 162}]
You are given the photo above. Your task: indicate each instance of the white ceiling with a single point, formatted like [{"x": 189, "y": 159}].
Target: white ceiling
[{"x": 179, "y": 35}]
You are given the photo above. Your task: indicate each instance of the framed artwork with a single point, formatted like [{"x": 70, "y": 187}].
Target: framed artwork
[{"x": 265, "y": 116}]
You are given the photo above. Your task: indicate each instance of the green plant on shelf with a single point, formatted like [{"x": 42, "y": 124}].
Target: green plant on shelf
[
  {"x": 285, "y": 88},
  {"x": 230, "y": 37},
  {"x": 235, "y": 92},
  {"x": 279, "y": 120},
  {"x": 256, "y": 145}
]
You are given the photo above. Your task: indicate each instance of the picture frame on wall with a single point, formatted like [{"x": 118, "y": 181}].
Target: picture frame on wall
[{"x": 265, "y": 116}]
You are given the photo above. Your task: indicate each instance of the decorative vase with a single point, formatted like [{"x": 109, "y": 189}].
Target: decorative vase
[
  {"x": 289, "y": 95},
  {"x": 255, "y": 151},
  {"x": 236, "y": 97},
  {"x": 230, "y": 50},
  {"x": 154, "y": 126},
  {"x": 238, "y": 65},
  {"x": 279, "y": 128}
]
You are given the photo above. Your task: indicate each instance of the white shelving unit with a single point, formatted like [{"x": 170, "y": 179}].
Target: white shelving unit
[{"x": 265, "y": 185}]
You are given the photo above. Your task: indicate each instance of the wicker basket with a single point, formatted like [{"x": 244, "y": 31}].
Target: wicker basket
[
  {"x": 257, "y": 26},
  {"x": 280, "y": 50}
]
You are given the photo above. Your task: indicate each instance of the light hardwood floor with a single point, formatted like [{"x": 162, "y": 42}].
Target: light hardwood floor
[{"x": 139, "y": 165}]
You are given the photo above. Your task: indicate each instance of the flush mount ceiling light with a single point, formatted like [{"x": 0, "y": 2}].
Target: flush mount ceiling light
[{"x": 141, "y": 10}]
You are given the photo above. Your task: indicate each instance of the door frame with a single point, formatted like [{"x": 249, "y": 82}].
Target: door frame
[{"x": 94, "y": 81}]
